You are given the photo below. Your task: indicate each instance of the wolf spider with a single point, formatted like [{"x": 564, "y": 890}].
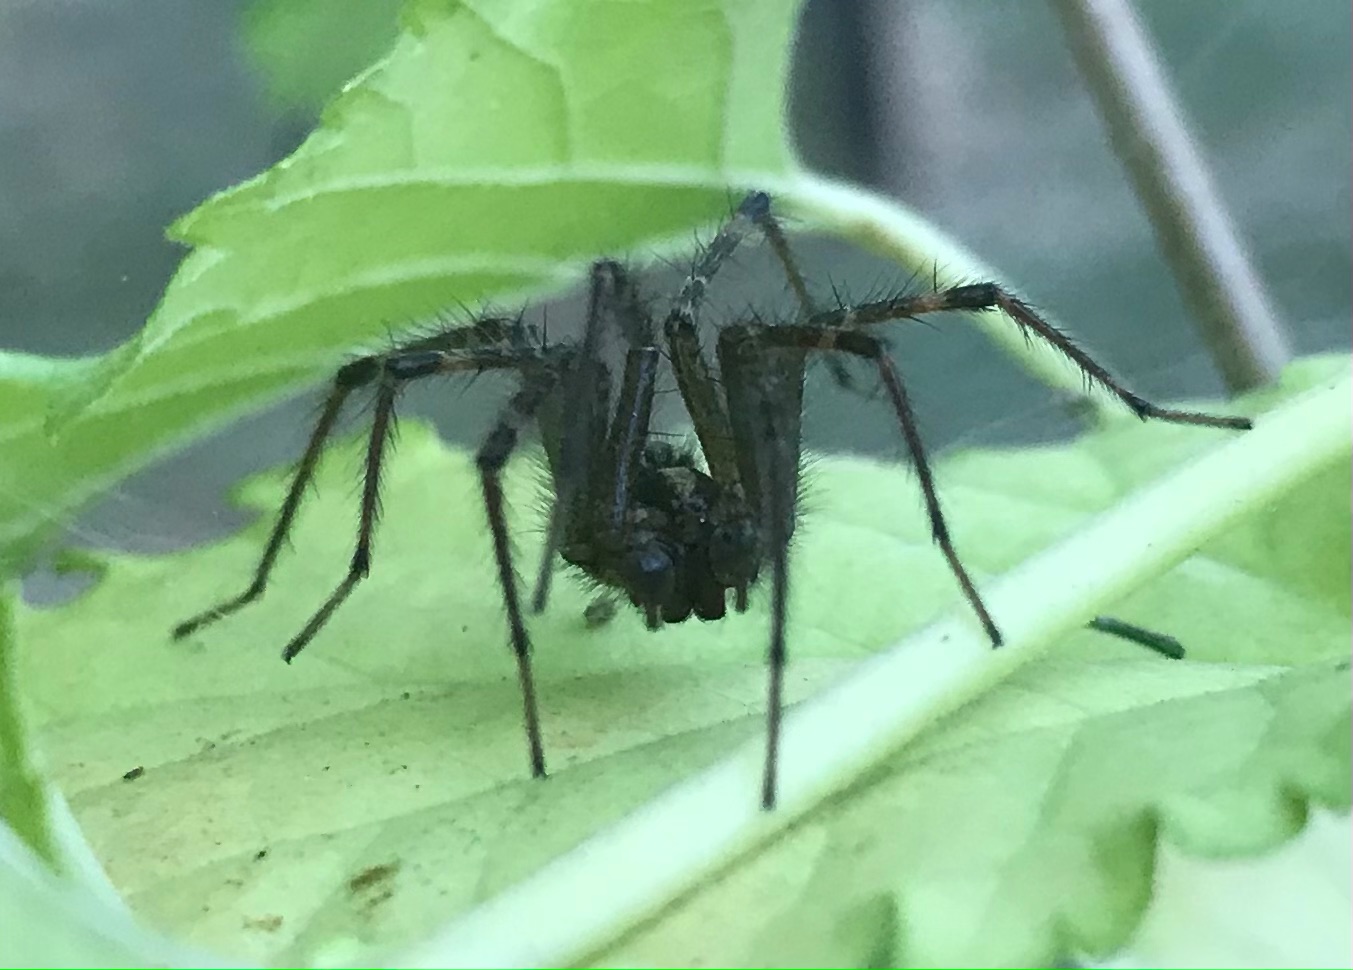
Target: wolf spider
[{"x": 672, "y": 531}]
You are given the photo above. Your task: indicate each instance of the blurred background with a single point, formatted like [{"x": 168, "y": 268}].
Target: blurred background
[{"x": 115, "y": 118}]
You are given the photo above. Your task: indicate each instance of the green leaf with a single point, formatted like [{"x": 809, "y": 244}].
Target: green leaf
[
  {"x": 23, "y": 802},
  {"x": 493, "y": 153},
  {"x": 359, "y": 798},
  {"x": 49, "y": 920},
  {"x": 306, "y": 49},
  {"x": 1287, "y": 909}
]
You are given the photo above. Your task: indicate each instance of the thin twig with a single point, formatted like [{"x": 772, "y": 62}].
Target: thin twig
[{"x": 1234, "y": 313}]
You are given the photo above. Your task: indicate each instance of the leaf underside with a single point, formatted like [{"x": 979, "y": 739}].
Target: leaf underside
[{"x": 485, "y": 160}]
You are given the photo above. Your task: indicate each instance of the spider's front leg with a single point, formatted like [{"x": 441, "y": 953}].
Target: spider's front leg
[
  {"x": 738, "y": 344},
  {"x": 765, "y": 400},
  {"x": 539, "y": 383}
]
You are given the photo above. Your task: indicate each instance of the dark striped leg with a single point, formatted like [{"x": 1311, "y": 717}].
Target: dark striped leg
[
  {"x": 349, "y": 378},
  {"x": 989, "y": 296},
  {"x": 493, "y": 454},
  {"x": 696, "y": 382},
  {"x": 1162, "y": 643},
  {"x": 750, "y": 340},
  {"x": 781, "y": 477},
  {"x": 360, "y": 564},
  {"x": 586, "y": 397}
]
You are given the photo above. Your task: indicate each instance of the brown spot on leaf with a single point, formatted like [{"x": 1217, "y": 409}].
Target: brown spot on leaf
[
  {"x": 372, "y": 877},
  {"x": 265, "y": 924}
]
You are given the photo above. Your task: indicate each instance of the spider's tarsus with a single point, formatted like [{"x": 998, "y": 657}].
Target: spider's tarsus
[
  {"x": 1147, "y": 411},
  {"x": 768, "y": 794},
  {"x": 218, "y": 612}
]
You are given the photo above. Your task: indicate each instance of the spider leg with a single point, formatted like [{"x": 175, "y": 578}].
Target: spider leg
[
  {"x": 586, "y": 398},
  {"x": 360, "y": 563},
  {"x": 443, "y": 354},
  {"x": 350, "y": 377},
  {"x": 581, "y": 468},
  {"x": 1162, "y": 643},
  {"x": 778, "y": 240},
  {"x": 697, "y": 384},
  {"x": 747, "y": 340},
  {"x": 765, "y": 400},
  {"x": 630, "y": 432},
  {"x": 634, "y": 406},
  {"x": 779, "y": 243},
  {"x": 990, "y": 296},
  {"x": 782, "y": 475},
  {"x": 493, "y": 454}
]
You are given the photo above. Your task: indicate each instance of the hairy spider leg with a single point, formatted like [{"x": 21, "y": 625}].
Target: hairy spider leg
[
  {"x": 580, "y": 471},
  {"x": 492, "y": 456},
  {"x": 634, "y": 409},
  {"x": 458, "y": 350},
  {"x": 990, "y": 296},
  {"x": 699, "y": 388},
  {"x": 585, "y": 401},
  {"x": 743, "y": 341},
  {"x": 764, "y": 392},
  {"x": 776, "y": 237},
  {"x": 360, "y": 564},
  {"x": 629, "y": 432},
  {"x": 696, "y": 383},
  {"x": 350, "y": 377},
  {"x": 783, "y": 473},
  {"x": 1162, "y": 643},
  {"x": 398, "y": 369},
  {"x": 731, "y": 446},
  {"x": 976, "y": 298},
  {"x": 763, "y": 369}
]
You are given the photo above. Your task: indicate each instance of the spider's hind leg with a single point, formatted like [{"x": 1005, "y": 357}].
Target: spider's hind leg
[
  {"x": 360, "y": 564},
  {"x": 991, "y": 296},
  {"x": 349, "y": 378}
]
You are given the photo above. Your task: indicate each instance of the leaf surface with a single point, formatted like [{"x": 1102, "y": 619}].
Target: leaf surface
[{"x": 358, "y": 798}]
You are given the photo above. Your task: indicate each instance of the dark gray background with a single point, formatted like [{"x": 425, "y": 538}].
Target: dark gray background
[{"x": 117, "y": 117}]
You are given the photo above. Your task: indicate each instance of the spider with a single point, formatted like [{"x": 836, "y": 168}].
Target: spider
[{"x": 673, "y": 530}]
